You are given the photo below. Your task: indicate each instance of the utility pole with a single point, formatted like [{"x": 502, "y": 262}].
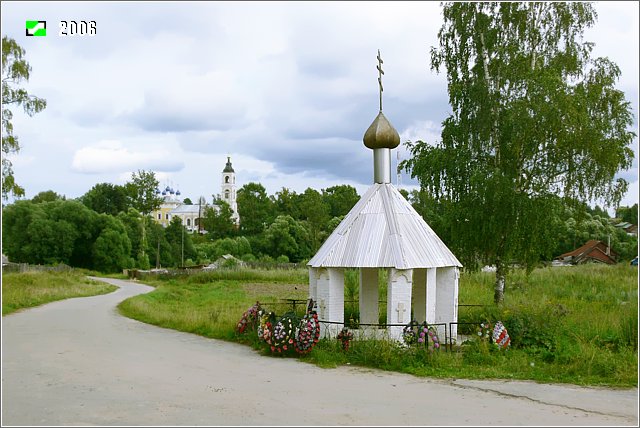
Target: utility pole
[
  {"x": 182, "y": 246},
  {"x": 201, "y": 200}
]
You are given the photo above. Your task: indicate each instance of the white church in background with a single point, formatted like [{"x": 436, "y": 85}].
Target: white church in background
[{"x": 191, "y": 215}]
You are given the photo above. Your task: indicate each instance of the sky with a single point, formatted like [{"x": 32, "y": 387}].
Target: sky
[{"x": 287, "y": 89}]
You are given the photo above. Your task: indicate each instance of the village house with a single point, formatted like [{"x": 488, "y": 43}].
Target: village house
[{"x": 592, "y": 251}]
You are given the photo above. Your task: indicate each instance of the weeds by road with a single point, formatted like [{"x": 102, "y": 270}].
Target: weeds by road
[
  {"x": 573, "y": 325},
  {"x": 25, "y": 290}
]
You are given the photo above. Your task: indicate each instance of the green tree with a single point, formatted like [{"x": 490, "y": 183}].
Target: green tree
[
  {"x": 597, "y": 210},
  {"x": 158, "y": 251},
  {"x": 217, "y": 220},
  {"x": 340, "y": 199},
  {"x": 111, "y": 251},
  {"x": 50, "y": 242},
  {"x": 49, "y": 232},
  {"x": 187, "y": 201},
  {"x": 533, "y": 116},
  {"x": 628, "y": 214},
  {"x": 86, "y": 226},
  {"x": 333, "y": 223},
  {"x": 47, "y": 196},
  {"x": 315, "y": 211},
  {"x": 287, "y": 236},
  {"x": 179, "y": 240},
  {"x": 106, "y": 198},
  {"x": 255, "y": 209},
  {"x": 143, "y": 196},
  {"x": 286, "y": 202},
  {"x": 16, "y": 218},
  {"x": 15, "y": 69},
  {"x": 65, "y": 231},
  {"x": 132, "y": 221},
  {"x": 142, "y": 191},
  {"x": 211, "y": 251},
  {"x": 434, "y": 212}
]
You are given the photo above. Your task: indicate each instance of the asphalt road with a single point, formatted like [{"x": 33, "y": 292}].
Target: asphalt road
[{"x": 78, "y": 362}]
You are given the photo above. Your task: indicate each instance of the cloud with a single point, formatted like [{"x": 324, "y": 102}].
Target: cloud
[
  {"x": 423, "y": 130},
  {"x": 192, "y": 102},
  {"x": 113, "y": 157}
]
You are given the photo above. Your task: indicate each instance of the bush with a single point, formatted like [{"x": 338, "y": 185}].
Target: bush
[{"x": 248, "y": 257}]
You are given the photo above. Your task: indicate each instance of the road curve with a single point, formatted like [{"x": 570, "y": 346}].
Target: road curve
[{"x": 78, "y": 362}]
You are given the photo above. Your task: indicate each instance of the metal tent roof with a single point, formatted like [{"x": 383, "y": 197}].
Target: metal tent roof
[{"x": 383, "y": 230}]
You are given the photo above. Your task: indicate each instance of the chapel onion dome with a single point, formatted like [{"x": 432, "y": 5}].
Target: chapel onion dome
[
  {"x": 167, "y": 189},
  {"x": 228, "y": 167},
  {"x": 381, "y": 134},
  {"x": 178, "y": 193},
  {"x": 164, "y": 193}
]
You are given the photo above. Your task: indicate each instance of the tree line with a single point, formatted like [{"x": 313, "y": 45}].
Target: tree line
[{"x": 110, "y": 228}]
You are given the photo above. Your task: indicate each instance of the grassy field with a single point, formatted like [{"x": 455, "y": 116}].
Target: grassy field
[
  {"x": 573, "y": 325},
  {"x": 25, "y": 290}
]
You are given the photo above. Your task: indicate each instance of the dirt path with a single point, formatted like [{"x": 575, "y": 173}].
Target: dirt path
[{"x": 77, "y": 362}]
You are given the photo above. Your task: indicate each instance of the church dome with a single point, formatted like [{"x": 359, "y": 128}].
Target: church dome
[
  {"x": 228, "y": 167},
  {"x": 381, "y": 134}
]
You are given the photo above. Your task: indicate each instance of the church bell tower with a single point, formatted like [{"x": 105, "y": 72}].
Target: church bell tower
[{"x": 228, "y": 187}]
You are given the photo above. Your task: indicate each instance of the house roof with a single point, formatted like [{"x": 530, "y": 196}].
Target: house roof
[
  {"x": 592, "y": 249},
  {"x": 188, "y": 209},
  {"x": 624, "y": 224},
  {"x": 598, "y": 254},
  {"x": 383, "y": 230}
]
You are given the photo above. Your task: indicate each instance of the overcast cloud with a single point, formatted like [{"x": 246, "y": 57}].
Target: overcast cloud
[{"x": 286, "y": 89}]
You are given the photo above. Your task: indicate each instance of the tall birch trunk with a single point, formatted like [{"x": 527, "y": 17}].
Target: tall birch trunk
[{"x": 501, "y": 276}]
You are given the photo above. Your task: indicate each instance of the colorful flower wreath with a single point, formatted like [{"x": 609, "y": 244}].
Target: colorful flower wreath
[
  {"x": 500, "y": 336},
  {"x": 409, "y": 333},
  {"x": 250, "y": 317},
  {"x": 284, "y": 332},
  {"x": 289, "y": 332},
  {"x": 485, "y": 331},
  {"x": 345, "y": 336},
  {"x": 308, "y": 333},
  {"x": 414, "y": 333},
  {"x": 265, "y": 327},
  {"x": 430, "y": 331}
]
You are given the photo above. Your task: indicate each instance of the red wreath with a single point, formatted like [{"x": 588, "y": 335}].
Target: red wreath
[
  {"x": 308, "y": 333},
  {"x": 250, "y": 317}
]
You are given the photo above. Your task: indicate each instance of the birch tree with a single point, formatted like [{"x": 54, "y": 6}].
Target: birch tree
[
  {"x": 535, "y": 119},
  {"x": 15, "y": 70}
]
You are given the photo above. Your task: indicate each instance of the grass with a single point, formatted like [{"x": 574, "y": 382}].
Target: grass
[
  {"x": 29, "y": 289},
  {"x": 210, "y": 304},
  {"x": 574, "y": 325}
]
